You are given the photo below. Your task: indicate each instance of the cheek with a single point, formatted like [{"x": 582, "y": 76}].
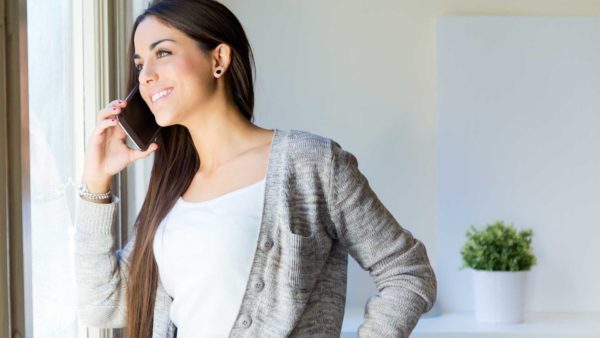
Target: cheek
[
  {"x": 198, "y": 67},
  {"x": 188, "y": 68},
  {"x": 191, "y": 77}
]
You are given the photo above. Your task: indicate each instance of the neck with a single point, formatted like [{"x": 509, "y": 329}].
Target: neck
[{"x": 220, "y": 135}]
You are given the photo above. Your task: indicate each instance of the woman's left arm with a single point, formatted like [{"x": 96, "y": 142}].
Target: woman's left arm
[{"x": 396, "y": 260}]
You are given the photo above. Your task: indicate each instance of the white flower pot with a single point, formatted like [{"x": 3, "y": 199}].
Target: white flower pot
[{"x": 499, "y": 296}]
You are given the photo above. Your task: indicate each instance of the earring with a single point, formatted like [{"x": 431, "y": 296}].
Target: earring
[{"x": 219, "y": 70}]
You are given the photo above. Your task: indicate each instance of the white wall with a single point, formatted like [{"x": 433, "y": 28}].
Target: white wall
[{"x": 519, "y": 132}]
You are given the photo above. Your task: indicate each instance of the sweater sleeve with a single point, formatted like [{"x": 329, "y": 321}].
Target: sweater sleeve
[
  {"x": 396, "y": 261},
  {"x": 100, "y": 272}
]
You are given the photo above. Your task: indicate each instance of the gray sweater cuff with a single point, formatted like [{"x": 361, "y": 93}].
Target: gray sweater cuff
[{"x": 95, "y": 218}]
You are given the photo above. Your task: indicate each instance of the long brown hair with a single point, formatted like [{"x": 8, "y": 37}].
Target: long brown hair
[{"x": 176, "y": 161}]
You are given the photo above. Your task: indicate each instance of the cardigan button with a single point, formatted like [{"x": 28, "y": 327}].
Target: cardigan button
[
  {"x": 267, "y": 245},
  {"x": 245, "y": 321},
  {"x": 259, "y": 285}
]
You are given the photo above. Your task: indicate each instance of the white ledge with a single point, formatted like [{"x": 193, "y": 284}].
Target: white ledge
[{"x": 464, "y": 325}]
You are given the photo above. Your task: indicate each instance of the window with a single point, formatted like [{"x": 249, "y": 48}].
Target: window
[
  {"x": 62, "y": 68},
  {"x": 51, "y": 140}
]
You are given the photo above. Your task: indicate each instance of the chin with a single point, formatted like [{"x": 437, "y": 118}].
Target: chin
[
  {"x": 163, "y": 120},
  {"x": 163, "y": 123}
]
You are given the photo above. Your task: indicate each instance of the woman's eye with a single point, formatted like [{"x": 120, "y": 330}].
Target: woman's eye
[{"x": 162, "y": 53}]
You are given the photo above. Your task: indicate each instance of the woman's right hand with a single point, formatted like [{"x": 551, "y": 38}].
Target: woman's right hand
[{"x": 107, "y": 153}]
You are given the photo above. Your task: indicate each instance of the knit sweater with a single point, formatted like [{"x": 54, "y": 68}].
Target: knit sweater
[{"x": 318, "y": 208}]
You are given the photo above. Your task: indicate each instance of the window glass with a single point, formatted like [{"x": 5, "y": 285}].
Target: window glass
[{"x": 52, "y": 180}]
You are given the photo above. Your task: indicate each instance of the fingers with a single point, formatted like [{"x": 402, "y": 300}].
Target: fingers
[
  {"x": 136, "y": 154},
  {"x": 113, "y": 108},
  {"x": 105, "y": 124}
]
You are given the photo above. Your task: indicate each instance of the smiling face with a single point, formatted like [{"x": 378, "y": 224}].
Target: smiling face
[{"x": 175, "y": 75}]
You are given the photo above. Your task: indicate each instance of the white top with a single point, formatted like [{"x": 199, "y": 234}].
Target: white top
[{"x": 204, "y": 251}]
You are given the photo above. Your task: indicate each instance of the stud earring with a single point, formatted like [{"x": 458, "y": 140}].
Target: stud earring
[{"x": 219, "y": 70}]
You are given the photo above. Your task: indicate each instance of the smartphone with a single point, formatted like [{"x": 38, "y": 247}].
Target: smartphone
[{"x": 137, "y": 121}]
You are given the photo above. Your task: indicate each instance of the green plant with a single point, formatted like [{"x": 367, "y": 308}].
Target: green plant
[{"x": 498, "y": 247}]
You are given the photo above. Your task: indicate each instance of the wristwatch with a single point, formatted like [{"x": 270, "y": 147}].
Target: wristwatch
[{"x": 85, "y": 193}]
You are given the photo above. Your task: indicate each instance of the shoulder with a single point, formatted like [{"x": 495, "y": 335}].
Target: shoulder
[
  {"x": 308, "y": 153},
  {"x": 305, "y": 152},
  {"x": 303, "y": 140},
  {"x": 306, "y": 145}
]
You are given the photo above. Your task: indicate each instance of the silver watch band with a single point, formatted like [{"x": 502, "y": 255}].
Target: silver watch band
[{"x": 85, "y": 193}]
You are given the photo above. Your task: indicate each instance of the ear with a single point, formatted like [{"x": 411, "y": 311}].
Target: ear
[{"x": 221, "y": 57}]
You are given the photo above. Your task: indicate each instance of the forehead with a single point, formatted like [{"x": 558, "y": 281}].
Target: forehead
[{"x": 152, "y": 29}]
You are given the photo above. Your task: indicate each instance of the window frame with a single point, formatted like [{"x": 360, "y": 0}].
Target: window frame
[{"x": 15, "y": 270}]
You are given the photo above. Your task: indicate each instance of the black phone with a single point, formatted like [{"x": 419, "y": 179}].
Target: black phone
[{"x": 137, "y": 120}]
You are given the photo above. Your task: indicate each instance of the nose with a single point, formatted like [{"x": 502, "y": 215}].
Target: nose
[{"x": 147, "y": 74}]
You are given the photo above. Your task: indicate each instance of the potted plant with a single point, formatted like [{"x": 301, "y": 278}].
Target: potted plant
[{"x": 499, "y": 257}]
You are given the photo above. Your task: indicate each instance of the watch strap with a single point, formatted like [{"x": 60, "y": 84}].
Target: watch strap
[{"x": 85, "y": 193}]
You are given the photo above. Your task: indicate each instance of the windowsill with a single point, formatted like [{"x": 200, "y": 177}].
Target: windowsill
[{"x": 464, "y": 325}]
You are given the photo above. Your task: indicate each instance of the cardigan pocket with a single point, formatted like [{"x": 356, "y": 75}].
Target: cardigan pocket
[{"x": 302, "y": 259}]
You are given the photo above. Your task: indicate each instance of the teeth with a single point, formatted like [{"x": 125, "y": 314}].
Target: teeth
[{"x": 160, "y": 94}]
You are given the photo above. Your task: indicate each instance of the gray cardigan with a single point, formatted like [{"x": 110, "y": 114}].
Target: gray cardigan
[{"x": 318, "y": 208}]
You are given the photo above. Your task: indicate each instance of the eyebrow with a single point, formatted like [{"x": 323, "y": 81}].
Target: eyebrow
[{"x": 152, "y": 45}]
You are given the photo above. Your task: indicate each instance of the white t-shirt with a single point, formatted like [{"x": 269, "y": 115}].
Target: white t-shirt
[{"x": 204, "y": 251}]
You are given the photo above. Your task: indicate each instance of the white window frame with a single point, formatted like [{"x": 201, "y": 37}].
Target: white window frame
[{"x": 99, "y": 29}]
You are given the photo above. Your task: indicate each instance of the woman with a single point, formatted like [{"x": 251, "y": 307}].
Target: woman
[{"x": 244, "y": 231}]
